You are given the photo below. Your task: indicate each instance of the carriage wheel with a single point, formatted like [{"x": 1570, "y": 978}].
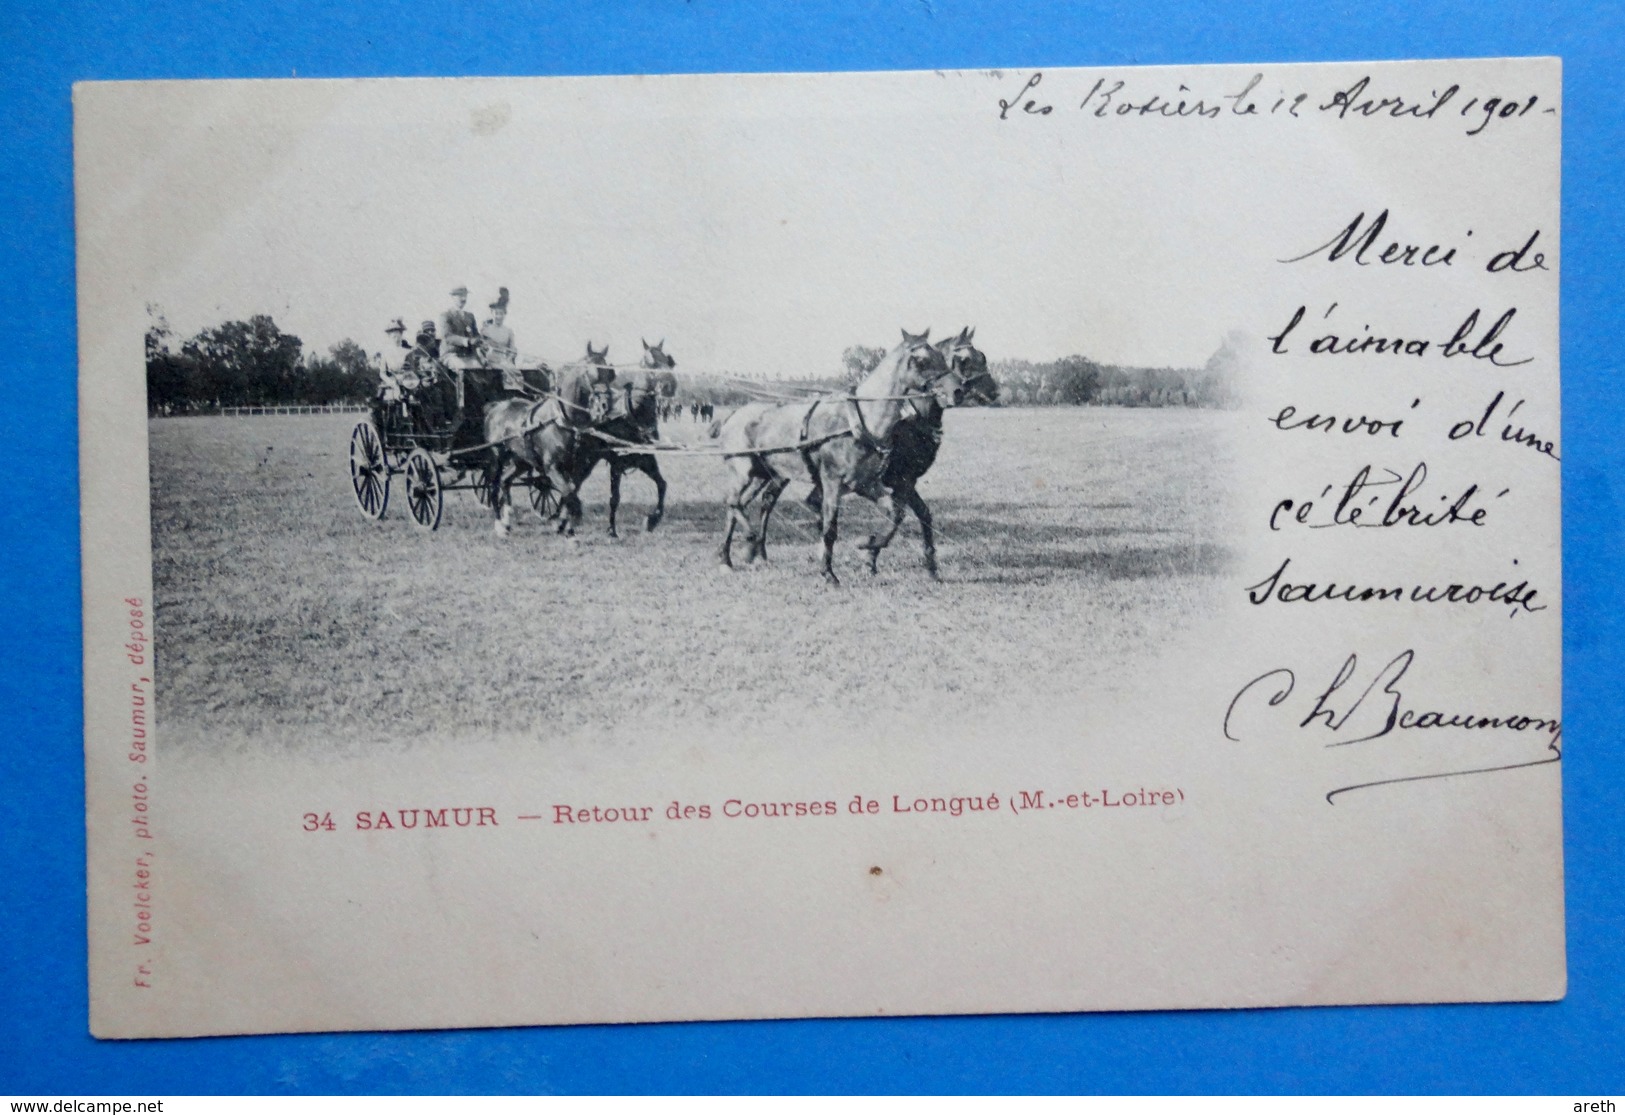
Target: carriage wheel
[
  {"x": 369, "y": 471},
  {"x": 544, "y": 498},
  {"x": 482, "y": 487},
  {"x": 423, "y": 496}
]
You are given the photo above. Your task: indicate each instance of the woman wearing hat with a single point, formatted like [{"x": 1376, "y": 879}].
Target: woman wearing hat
[
  {"x": 388, "y": 401},
  {"x": 500, "y": 349}
]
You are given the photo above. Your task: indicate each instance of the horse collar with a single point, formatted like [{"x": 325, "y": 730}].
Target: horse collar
[
  {"x": 860, "y": 428},
  {"x": 806, "y": 421}
]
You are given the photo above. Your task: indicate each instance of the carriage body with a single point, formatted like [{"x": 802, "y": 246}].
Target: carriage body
[{"x": 432, "y": 436}]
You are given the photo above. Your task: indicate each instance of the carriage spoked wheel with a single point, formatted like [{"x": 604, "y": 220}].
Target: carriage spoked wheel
[
  {"x": 369, "y": 471},
  {"x": 482, "y": 487},
  {"x": 544, "y": 498},
  {"x": 423, "y": 495}
]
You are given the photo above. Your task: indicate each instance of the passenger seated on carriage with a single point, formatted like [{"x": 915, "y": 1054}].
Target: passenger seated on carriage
[
  {"x": 389, "y": 402},
  {"x": 431, "y": 394},
  {"x": 500, "y": 350},
  {"x": 426, "y": 346}
]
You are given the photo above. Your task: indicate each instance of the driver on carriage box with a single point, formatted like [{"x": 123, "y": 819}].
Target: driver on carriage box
[{"x": 460, "y": 340}]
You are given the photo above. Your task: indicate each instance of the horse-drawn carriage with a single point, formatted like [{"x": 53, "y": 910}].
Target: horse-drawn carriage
[
  {"x": 428, "y": 428},
  {"x": 875, "y": 440}
]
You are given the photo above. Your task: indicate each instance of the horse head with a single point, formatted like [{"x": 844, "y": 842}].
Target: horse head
[
  {"x": 592, "y": 384},
  {"x": 655, "y": 356},
  {"x": 971, "y": 365},
  {"x": 929, "y": 370},
  {"x": 660, "y": 379}
]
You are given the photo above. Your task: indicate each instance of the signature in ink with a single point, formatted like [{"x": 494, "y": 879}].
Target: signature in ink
[{"x": 1357, "y": 715}]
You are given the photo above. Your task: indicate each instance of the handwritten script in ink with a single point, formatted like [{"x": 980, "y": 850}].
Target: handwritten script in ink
[
  {"x": 1413, "y": 481},
  {"x": 1413, "y": 286},
  {"x": 1139, "y": 97}
]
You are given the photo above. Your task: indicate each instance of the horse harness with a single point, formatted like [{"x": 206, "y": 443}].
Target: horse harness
[{"x": 857, "y": 427}]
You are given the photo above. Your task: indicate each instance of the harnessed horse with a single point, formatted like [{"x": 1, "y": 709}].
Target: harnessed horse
[
  {"x": 545, "y": 438},
  {"x": 917, "y": 438},
  {"x": 841, "y": 443},
  {"x": 637, "y": 420}
]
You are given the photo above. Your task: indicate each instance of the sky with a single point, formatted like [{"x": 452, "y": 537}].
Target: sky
[{"x": 759, "y": 225}]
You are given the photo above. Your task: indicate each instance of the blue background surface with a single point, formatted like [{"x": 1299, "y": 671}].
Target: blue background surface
[{"x": 1577, "y": 1046}]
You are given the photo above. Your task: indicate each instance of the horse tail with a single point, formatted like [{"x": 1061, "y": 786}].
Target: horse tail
[{"x": 715, "y": 429}]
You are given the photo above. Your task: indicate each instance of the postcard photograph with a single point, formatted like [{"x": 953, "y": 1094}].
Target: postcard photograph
[{"x": 643, "y": 548}]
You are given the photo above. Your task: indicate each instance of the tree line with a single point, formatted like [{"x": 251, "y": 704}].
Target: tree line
[
  {"x": 249, "y": 363},
  {"x": 1080, "y": 381},
  {"x": 254, "y": 363}
]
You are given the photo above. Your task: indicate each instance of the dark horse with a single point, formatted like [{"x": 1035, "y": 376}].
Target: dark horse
[
  {"x": 544, "y": 438},
  {"x": 917, "y": 437},
  {"x": 635, "y": 418},
  {"x": 840, "y": 443}
]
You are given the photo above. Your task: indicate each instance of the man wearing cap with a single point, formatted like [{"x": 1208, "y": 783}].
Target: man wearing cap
[
  {"x": 418, "y": 367},
  {"x": 459, "y": 334},
  {"x": 434, "y": 394},
  {"x": 426, "y": 345}
]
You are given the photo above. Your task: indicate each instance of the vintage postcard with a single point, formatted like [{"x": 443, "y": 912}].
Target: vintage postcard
[{"x": 758, "y": 546}]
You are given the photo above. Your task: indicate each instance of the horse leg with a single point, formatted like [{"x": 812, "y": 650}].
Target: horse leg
[
  {"x": 651, "y": 468},
  {"x": 735, "y": 506},
  {"x": 498, "y": 493},
  {"x": 893, "y": 510},
  {"x": 569, "y": 502},
  {"x": 572, "y": 504},
  {"x": 515, "y": 470},
  {"x": 832, "y": 513},
  {"x": 911, "y": 496},
  {"x": 616, "y": 468},
  {"x": 770, "y": 499},
  {"x": 493, "y": 472},
  {"x": 725, "y": 554}
]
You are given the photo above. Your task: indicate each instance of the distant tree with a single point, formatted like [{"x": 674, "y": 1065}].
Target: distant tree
[
  {"x": 352, "y": 358},
  {"x": 344, "y": 375},
  {"x": 1076, "y": 380},
  {"x": 247, "y": 363},
  {"x": 859, "y": 360},
  {"x": 172, "y": 377},
  {"x": 1217, "y": 383},
  {"x": 160, "y": 336}
]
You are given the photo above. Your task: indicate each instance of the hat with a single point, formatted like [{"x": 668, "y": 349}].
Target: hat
[
  {"x": 456, "y": 290},
  {"x": 426, "y": 327},
  {"x": 502, "y": 299},
  {"x": 396, "y": 325}
]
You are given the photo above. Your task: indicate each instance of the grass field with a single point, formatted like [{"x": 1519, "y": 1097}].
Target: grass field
[{"x": 1072, "y": 540}]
